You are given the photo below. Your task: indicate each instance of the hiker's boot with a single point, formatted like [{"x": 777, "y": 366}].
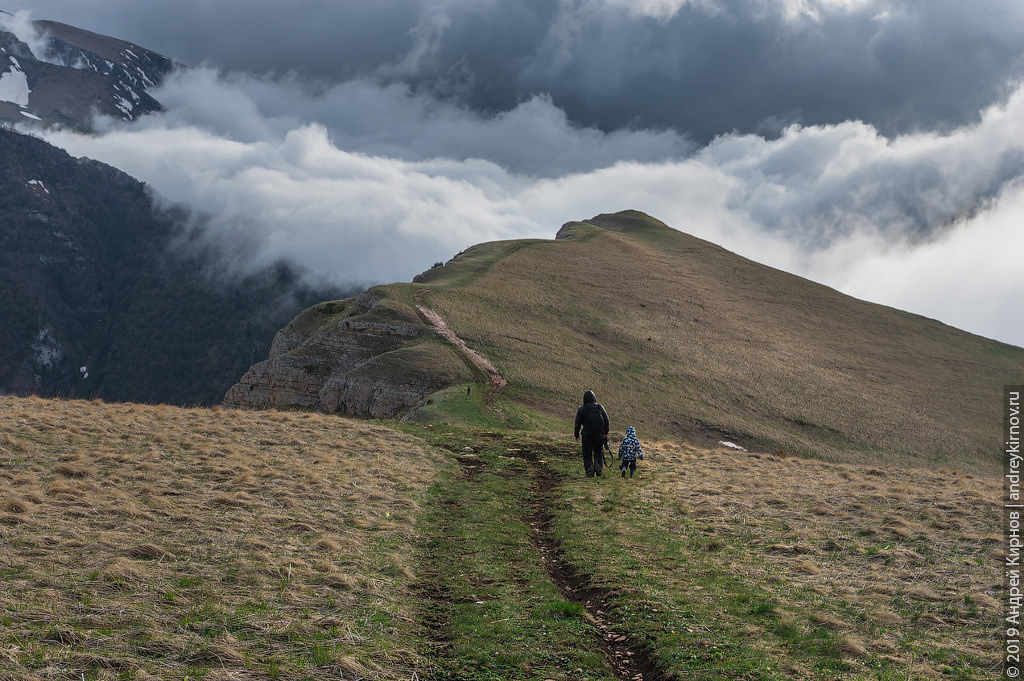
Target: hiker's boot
[{"x": 623, "y": 472}]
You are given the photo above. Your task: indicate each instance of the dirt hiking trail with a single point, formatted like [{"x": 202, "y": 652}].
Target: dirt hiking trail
[
  {"x": 627, "y": 658},
  {"x": 479, "y": 361}
]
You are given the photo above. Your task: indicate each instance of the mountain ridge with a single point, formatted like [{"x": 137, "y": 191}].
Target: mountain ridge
[
  {"x": 681, "y": 337},
  {"x": 80, "y": 74}
]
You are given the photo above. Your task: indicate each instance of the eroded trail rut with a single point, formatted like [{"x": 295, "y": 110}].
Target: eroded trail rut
[
  {"x": 431, "y": 587},
  {"x": 497, "y": 383},
  {"x": 628, "y": 659}
]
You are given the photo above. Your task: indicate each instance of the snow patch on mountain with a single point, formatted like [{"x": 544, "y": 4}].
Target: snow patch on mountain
[
  {"x": 130, "y": 70},
  {"x": 14, "y": 84},
  {"x": 125, "y": 106}
]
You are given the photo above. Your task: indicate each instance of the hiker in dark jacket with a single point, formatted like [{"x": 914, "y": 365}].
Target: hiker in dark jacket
[{"x": 592, "y": 419}]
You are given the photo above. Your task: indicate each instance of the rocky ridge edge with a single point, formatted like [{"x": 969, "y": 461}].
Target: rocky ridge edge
[{"x": 341, "y": 367}]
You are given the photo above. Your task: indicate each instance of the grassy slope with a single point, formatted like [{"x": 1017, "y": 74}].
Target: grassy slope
[
  {"x": 145, "y": 542},
  {"x": 826, "y": 570},
  {"x": 679, "y": 336}
]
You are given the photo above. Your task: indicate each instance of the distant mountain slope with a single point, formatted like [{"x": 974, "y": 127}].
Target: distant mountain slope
[
  {"x": 80, "y": 74},
  {"x": 95, "y": 302},
  {"x": 679, "y": 336}
]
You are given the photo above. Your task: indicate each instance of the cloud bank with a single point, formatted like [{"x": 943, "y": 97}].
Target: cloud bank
[
  {"x": 698, "y": 67},
  {"x": 836, "y": 203},
  {"x": 873, "y": 146}
]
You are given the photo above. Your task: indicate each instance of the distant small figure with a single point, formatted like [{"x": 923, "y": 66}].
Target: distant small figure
[
  {"x": 592, "y": 420},
  {"x": 629, "y": 452},
  {"x": 467, "y": 391}
]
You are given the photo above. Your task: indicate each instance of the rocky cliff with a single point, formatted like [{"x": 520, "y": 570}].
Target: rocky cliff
[{"x": 371, "y": 354}]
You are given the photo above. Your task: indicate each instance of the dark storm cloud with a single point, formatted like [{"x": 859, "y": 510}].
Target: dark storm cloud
[
  {"x": 700, "y": 68},
  {"x": 744, "y": 64},
  {"x": 366, "y": 141},
  {"x": 331, "y": 40}
]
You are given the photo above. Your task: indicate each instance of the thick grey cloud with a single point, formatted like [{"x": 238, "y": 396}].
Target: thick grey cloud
[
  {"x": 365, "y": 143},
  {"x": 534, "y": 138},
  {"x": 925, "y": 221},
  {"x": 700, "y": 68}
]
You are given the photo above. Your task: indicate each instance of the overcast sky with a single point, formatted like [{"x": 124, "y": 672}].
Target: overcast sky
[{"x": 873, "y": 145}]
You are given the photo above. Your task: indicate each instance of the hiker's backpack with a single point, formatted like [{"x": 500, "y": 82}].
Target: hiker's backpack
[{"x": 593, "y": 423}]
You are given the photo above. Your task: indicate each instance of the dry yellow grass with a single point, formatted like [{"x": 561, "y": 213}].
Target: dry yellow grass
[
  {"x": 897, "y": 562},
  {"x": 171, "y": 543},
  {"x": 682, "y": 337}
]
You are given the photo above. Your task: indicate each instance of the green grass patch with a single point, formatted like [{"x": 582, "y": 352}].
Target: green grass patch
[
  {"x": 461, "y": 405},
  {"x": 499, "y": 615}
]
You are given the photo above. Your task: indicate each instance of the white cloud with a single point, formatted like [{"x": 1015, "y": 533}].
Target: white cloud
[
  {"x": 923, "y": 222},
  {"x": 970, "y": 277},
  {"x": 534, "y": 138},
  {"x": 20, "y": 24},
  {"x": 345, "y": 216}
]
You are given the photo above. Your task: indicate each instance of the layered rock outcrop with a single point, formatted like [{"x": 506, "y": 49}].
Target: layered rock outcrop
[{"x": 365, "y": 355}]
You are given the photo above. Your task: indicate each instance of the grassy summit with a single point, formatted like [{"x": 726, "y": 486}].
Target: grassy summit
[{"x": 679, "y": 336}]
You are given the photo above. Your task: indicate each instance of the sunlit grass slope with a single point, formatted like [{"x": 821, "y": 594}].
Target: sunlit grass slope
[
  {"x": 679, "y": 336},
  {"x": 826, "y": 570},
  {"x": 158, "y": 542},
  {"x": 155, "y": 542}
]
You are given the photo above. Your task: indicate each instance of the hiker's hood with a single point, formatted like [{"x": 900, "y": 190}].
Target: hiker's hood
[
  {"x": 589, "y": 397},
  {"x": 631, "y": 433}
]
